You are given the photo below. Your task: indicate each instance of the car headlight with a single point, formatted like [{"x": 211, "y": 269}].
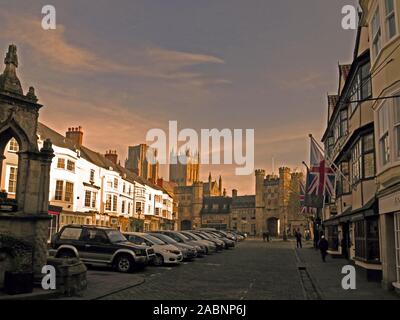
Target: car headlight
[
  {"x": 174, "y": 252},
  {"x": 140, "y": 252}
]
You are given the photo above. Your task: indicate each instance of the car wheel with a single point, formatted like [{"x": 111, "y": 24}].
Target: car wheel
[
  {"x": 124, "y": 263},
  {"x": 158, "y": 260}
]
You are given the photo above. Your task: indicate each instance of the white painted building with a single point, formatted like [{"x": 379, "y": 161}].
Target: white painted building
[{"x": 89, "y": 188}]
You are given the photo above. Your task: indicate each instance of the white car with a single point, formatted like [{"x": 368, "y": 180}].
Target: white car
[{"x": 165, "y": 253}]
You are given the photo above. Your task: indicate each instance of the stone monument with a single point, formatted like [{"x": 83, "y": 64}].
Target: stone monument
[{"x": 29, "y": 220}]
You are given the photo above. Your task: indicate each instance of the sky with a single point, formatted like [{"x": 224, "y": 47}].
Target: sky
[{"x": 120, "y": 68}]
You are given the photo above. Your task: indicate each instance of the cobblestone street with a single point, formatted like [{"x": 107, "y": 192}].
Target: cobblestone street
[{"x": 253, "y": 271}]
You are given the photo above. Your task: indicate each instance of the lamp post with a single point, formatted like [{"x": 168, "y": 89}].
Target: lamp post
[{"x": 139, "y": 212}]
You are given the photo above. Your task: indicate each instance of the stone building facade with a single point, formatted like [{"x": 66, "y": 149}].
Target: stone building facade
[
  {"x": 278, "y": 203},
  {"x": 138, "y": 162},
  {"x": 184, "y": 169}
]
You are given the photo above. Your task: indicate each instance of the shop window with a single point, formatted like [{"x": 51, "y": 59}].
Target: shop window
[
  {"x": 333, "y": 238},
  {"x": 397, "y": 238},
  {"x": 367, "y": 240}
]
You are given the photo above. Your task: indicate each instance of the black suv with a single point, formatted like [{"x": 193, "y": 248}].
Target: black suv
[{"x": 100, "y": 246}]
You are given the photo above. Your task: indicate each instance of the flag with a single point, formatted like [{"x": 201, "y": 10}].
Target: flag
[
  {"x": 303, "y": 208},
  {"x": 320, "y": 178}
]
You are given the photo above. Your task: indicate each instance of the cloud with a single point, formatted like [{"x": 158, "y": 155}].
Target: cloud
[
  {"x": 53, "y": 49},
  {"x": 308, "y": 81}
]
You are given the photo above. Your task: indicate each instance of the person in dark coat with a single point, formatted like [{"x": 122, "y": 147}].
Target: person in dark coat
[
  {"x": 267, "y": 235},
  {"x": 264, "y": 235},
  {"x": 323, "y": 247},
  {"x": 298, "y": 239}
]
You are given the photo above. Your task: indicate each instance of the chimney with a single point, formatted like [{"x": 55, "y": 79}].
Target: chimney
[
  {"x": 234, "y": 193},
  {"x": 112, "y": 156},
  {"x": 75, "y": 135}
]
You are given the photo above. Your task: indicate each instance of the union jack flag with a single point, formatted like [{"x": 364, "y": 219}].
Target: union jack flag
[
  {"x": 304, "y": 209},
  {"x": 321, "y": 177}
]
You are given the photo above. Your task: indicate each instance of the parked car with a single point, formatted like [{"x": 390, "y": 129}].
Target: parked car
[
  {"x": 218, "y": 242},
  {"x": 179, "y": 237},
  {"x": 228, "y": 243},
  {"x": 100, "y": 246},
  {"x": 189, "y": 252},
  {"x": 165, "y": 253},
  {"x": 241, "y": 236},
  {"x": 210, "y": 246}
]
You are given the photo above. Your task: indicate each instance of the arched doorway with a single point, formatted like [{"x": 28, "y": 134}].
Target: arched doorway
[
  {"x": 186, "y": 225},
  {"x": 273, "y": 226}
]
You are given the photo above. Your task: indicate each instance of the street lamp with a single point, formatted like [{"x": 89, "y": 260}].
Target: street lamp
[{"x": 139, "y": 212}]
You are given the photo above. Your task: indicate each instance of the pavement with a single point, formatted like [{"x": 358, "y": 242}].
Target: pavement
[{"x": 327, "y": 278}]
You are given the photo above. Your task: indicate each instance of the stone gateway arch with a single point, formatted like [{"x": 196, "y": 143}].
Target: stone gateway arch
[{"x": 24, "y": 227}]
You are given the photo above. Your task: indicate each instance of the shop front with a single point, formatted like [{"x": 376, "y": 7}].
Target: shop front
[{"x": 389, "y": 209}]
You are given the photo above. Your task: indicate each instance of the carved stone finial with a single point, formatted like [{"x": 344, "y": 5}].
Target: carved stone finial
[
  {"x": 47, "y": 146},
  {"x": 31, "y": 94},
  {"x": 9, "y": 81},
  {"x": 12, "y": 57}
]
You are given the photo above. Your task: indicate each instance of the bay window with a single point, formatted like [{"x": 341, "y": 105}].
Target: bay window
[
  {"x": 383, "y": 122},
  {"x": 115, "y": 203},
  {"x": 356, "y": 163},
  {"x": 343, "y": 123},
  {"x": 390, "y": 19},
  {"x": 368, "y": 156},
  {"x": 376, "y": 33},
  {"x": 397, "y": 125},
  {"x": 108, "y": 202},
  {"x": 343, "y": 186}
]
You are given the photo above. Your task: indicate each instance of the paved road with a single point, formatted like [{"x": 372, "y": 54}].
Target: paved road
[{"x": 253, "y": 270}]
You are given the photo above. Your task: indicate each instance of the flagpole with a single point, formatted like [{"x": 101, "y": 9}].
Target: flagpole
[{"x": 314, "y": 220}]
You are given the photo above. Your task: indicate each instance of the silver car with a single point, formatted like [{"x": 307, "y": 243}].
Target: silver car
[{"x": 210, "y": 246}]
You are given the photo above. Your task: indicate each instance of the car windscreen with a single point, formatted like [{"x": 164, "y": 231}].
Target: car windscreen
[
  {"x": 189, "y": 236},
  {"x": 115, "y": 236},
  {"x": 202, "y": 236},
  {"x": 193, "y": 236},
  {"x": 164, "y": 238},
  {"x": 153, "y": 239},
  {"x": 181, "y": 236}
]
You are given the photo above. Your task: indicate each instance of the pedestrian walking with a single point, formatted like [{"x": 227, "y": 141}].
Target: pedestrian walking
[
  {"x": 323, "y": 247},
  {"x": 264, "y": 235},
  {"x": 298, "y": 239},
  {"x": 267, "y": 235}
]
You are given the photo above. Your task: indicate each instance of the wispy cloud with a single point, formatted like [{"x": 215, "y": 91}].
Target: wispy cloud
[{"x": 57, "y": 52}]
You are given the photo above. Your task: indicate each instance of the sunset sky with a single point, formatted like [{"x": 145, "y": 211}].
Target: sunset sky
[{"x": 120, "y": 68}]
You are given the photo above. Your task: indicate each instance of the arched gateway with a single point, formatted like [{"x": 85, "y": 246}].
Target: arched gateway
[
  {"x": 28, "y": 220},
  {"x": 273, "y": 226}
]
